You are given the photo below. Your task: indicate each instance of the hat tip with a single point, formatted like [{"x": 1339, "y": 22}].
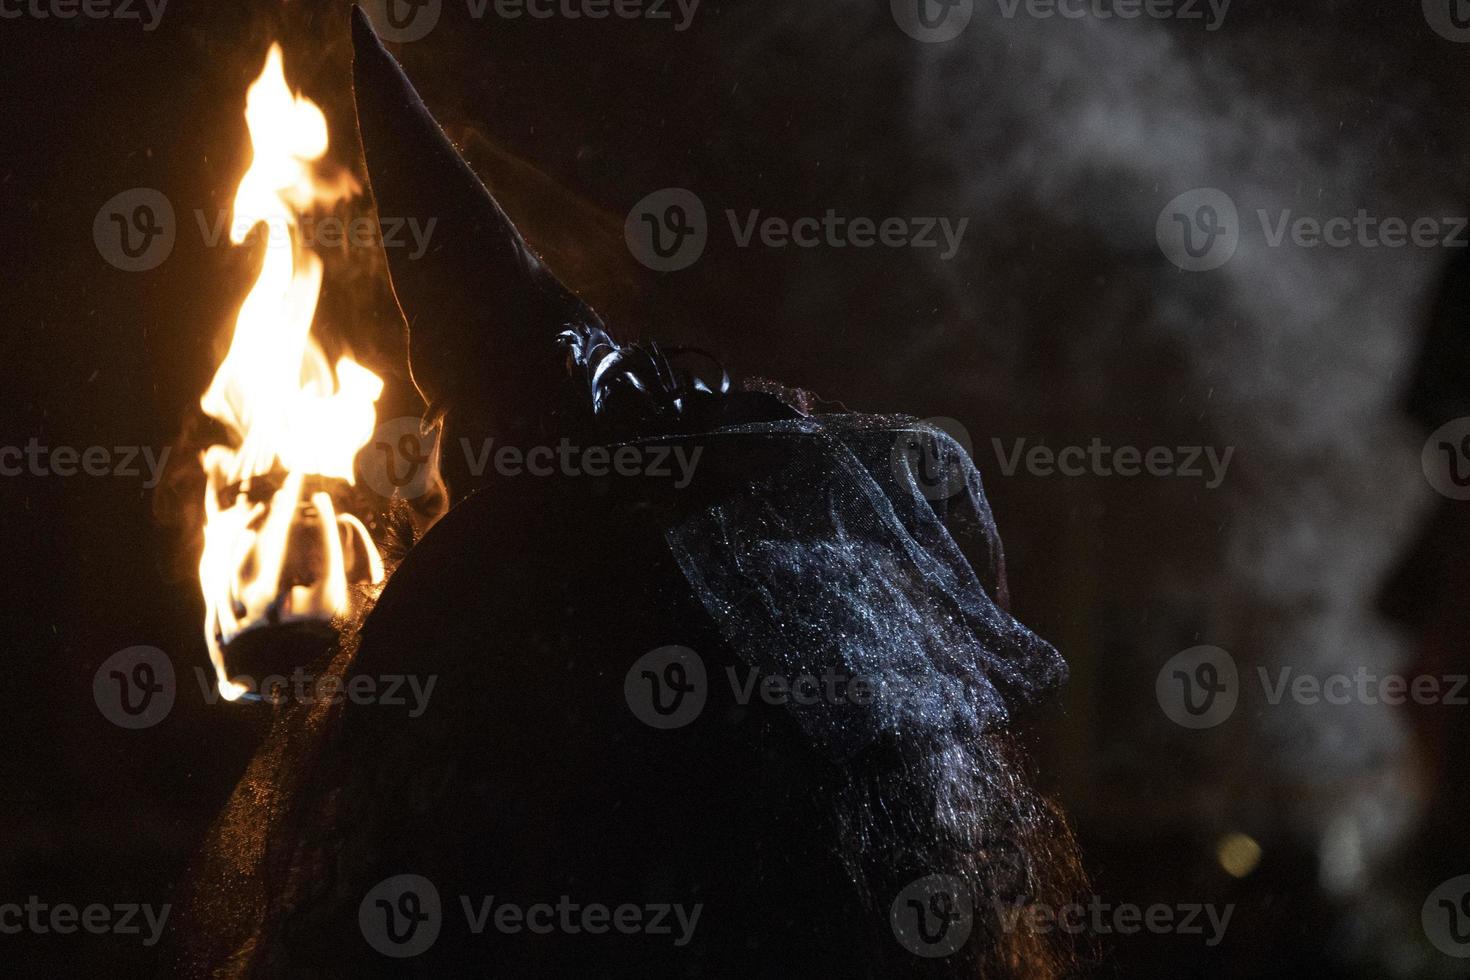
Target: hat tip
[{"x": 362, "y": 27}]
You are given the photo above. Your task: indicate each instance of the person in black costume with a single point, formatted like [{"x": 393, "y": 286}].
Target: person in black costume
[{"x": 885, "y": 828}]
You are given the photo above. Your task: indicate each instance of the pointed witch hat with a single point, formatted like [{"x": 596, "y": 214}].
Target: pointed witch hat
[{"x": 483, "y": 310}]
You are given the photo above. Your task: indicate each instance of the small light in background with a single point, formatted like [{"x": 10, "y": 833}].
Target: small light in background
[
  {"x": 1344, "y": 867},
  {"x": 1238, "y": 854}
]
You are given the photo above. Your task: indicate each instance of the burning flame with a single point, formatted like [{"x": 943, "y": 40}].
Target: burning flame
[{"x": 295, "y": 421}]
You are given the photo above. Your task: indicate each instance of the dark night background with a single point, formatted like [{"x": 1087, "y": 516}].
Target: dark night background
[{"x": 1059, "y": 321}]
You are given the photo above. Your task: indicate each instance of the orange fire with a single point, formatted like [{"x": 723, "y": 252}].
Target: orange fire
[{"x": 276, "y": 549}]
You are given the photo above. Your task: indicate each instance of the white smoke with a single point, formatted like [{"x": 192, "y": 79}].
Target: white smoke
[{"x": 1302, "y": 353}]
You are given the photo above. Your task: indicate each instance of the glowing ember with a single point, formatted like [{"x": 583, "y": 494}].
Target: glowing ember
[{"x": 275, "y": 547}]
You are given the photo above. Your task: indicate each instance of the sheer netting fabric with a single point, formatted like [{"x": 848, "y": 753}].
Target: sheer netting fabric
[{"x": 865, "y": 551}]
